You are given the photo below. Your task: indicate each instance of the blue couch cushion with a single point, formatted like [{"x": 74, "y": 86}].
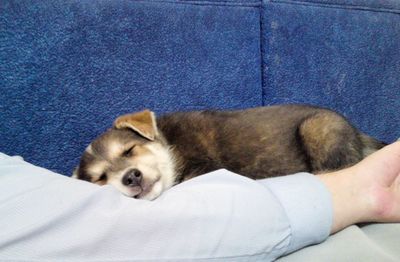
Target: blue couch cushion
[
  {"x": 334, "y": 54},
  {"x": 69, "y": 68}
]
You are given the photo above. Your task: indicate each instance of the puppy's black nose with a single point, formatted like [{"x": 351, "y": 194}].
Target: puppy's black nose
[{"x": 132, "y": 178}]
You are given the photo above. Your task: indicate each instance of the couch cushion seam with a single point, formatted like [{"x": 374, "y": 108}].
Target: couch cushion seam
[
  {"x": 337, "y": 6},
  {"x": 262, "y": 52},
  {"x": 203, "y": 3}
]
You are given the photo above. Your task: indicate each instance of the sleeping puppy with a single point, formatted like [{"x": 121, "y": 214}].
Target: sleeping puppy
[{"x": 142, "y": 155}]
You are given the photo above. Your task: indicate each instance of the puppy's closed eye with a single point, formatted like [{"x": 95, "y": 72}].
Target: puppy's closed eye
[
  {"x": 102, "y": 178},
  {"x": 129, "y": 152}
]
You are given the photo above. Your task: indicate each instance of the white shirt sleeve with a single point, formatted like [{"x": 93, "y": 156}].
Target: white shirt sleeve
[{"x": 219, "y": 216}]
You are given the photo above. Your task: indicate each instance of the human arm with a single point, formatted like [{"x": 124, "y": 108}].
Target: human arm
[
  {"x": 368, "y": 191},
  {"x": 219, "y": 216}
]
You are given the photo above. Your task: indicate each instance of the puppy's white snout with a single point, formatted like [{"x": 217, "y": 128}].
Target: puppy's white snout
[{"x": 132, "y": 178}]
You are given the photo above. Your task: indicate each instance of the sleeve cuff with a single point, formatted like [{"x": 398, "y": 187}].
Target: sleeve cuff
[{"x": 308, "y": 205}]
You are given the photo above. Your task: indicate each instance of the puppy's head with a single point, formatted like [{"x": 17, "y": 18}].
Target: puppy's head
[{"x": 131, "y": 156}]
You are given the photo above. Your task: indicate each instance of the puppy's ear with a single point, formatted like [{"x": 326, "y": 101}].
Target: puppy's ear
[{"x": 143, "y": 122}]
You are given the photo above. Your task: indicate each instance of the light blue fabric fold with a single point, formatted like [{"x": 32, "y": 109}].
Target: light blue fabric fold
[{"x": 220, "y": 216}]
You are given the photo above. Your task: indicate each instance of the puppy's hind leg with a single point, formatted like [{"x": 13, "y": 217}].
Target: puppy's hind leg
[{"x": 329, "y": 141}]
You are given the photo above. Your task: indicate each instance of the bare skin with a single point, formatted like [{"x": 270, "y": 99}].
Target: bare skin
[{"x": 368, "y": 191}]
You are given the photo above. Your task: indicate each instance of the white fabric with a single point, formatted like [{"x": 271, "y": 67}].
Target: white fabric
[{"x": 219, "y": 216}]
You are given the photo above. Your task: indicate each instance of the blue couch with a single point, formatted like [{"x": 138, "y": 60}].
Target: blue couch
[{"x": 68, "y": 68}]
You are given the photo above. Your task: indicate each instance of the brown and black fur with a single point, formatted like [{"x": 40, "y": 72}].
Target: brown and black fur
[{"x": 265, "y": 141}]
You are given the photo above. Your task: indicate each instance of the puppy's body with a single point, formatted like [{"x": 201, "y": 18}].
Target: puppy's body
[
  {"x": 257, "y": 143},
  {"x": 264, "y": 142}
]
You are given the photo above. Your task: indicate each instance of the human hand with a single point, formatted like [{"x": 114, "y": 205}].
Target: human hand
[{"x": 368, "y": 191}]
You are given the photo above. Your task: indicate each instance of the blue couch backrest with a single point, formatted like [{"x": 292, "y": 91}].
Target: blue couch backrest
[
  {"x": 69, "y": 68},
  {"x": 342, "y": 54}
]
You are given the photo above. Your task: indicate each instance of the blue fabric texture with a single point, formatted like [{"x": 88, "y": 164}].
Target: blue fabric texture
[
  {"x": 69, "y": 68},
  {"x": 336, "y": 55}
]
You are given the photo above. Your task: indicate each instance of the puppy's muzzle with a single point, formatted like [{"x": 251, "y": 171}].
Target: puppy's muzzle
[{"x": 132, "y": 178}]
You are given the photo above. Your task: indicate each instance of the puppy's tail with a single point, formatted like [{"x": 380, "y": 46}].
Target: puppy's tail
[{"x": 370, "y": 144}]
